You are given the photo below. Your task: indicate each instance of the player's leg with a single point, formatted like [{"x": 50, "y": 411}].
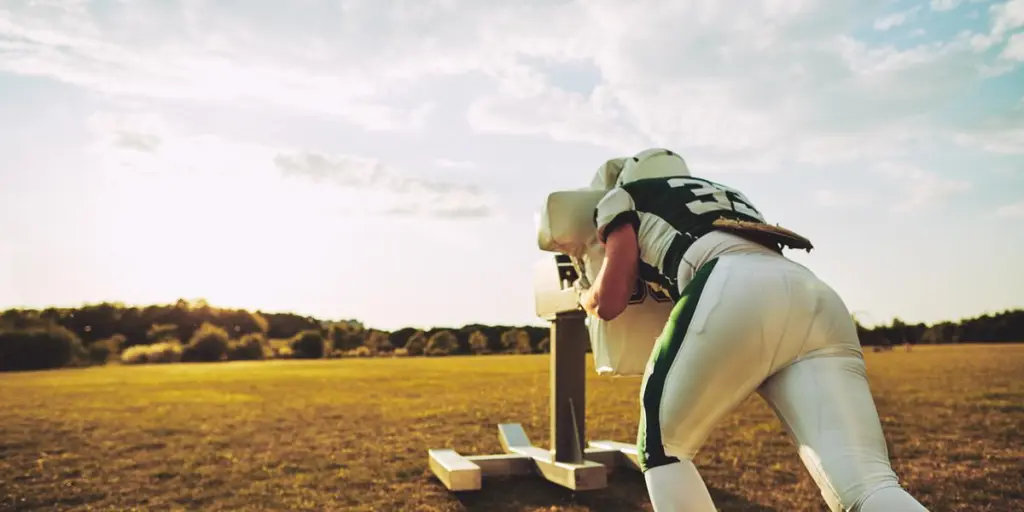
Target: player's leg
[
  {"x": 827, "y": 407},
  {"x": 678, "y": 487},
  {"x": 825, "y": 403},
  {"x": 700, "y": 370}
]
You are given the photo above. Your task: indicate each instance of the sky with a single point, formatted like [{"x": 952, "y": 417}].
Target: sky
[{"x": 383, "y": 160}]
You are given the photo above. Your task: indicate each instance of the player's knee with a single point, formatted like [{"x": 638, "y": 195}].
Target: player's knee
[
  {"x": 889, "y": 497},
  {"x": 854, "y": 497},
  {"x": 846, "y": 483},
  {"x": 651, "y": 449}
]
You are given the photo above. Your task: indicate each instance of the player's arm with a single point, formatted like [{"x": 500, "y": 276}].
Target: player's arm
[{"x": 617, "y": 224}]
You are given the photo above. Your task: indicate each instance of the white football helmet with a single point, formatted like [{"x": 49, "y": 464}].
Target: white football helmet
[{"x": 652, "y": 163}]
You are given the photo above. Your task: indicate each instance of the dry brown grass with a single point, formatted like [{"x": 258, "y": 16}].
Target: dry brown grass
[{"x": 352, "y": 435}]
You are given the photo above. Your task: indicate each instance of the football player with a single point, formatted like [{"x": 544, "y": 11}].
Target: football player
[{"x": 746, "y": 319}]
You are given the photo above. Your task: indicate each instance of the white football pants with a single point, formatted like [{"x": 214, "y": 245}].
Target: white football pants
[{"x": 759, "y": 322}]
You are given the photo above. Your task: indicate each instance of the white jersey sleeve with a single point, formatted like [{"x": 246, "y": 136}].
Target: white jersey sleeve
[{"x": 615, "y": 209}]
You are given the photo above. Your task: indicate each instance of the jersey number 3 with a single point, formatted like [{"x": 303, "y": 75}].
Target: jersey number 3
[{"x": 722, "y": 197}]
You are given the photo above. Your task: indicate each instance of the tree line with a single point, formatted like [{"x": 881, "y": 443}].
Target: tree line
[{"x": 32, "y": 339}]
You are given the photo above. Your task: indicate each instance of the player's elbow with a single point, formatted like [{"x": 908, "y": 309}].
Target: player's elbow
[
  {"x": 610, "y": 306},
  {"x": 609, "y": 313}
]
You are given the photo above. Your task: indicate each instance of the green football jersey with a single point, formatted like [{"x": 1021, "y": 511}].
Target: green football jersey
[{"x": 668, "y": 215}]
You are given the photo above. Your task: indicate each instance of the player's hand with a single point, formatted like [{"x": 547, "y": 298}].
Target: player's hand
[
  {"x": 583, "y": 296},
  {"x": 580, "y": 288}
]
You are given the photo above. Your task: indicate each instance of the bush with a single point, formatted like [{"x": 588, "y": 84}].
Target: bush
[
  {"x": 308, "y": 344},
  {"x": 416, "y": 344},
  {"x": 251, "y": 347},
  {"x": 378, "y": 342},
  {"x": 517, "y": 341},
  {"x": 359, "y": 352},
  {"x": 39, "y": 348},
  {"x": 282, "y": 352},
  {"x": 478, "y": 343},
  {"x": 136, "y": 354},
  {"x": 164, "y": 352},
  {"x": 544, "y": 346},
  {"x": 442, "y": 343},
  {"x": 161, "y": 332},
  {"x": 102, "y": 351},
  {"x": 345, "y": 336},
  {"x": 400, "y": 352},
  {"x": 208, "y": 343}
]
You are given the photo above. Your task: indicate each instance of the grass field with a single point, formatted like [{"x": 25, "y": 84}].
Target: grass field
[{"x": 353, "y": 435}]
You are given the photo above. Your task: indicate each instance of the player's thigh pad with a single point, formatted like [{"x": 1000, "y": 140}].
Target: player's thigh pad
[{"x": 709, "y": 358}]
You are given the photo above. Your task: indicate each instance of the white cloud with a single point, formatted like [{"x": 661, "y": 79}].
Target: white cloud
[
  {"x": 561, "y": 115},
  {"x": 64, "y": 42},
  {"x": 1012, "y": 210},
  {"x": 944, "y": 5},
  {"x": 829, "y": 198},
  {"x": 141, "y": 132},
  {"x": 745, "y": 89},
  {"x": 400, "y": 194},
  {"x": 142, "y": 142},
  {"x": 1014, "y": 49},
  {"x": 920, "y": 188},
  {"x": 949, "y": 5},
  {"x": 1003, "y": 19},
  {"x": 897, "y": 18},
  {"x": 1000, "y": 134},
  {"x": 1007, "y": 16},
  {"x": 758, "y": 88},
  {"x": 1003, "y": 141},
  {"x": 448, "y": 163}
]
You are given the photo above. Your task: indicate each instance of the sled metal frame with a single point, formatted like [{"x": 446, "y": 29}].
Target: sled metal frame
[{"x": 567, "y": 462}]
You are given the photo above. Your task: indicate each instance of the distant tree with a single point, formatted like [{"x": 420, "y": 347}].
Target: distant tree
[
  {"x": 897, "y": 332},
  {"x": 869, "y": 337},
  {"x": 91, "y": 322},
  {"x": 537, "y": 334},
  {"x": 308, "y": 344},
  {"x": 102, "y": 351},
  {"x": 378, "y": 342},
  {"x": 915, "y": 332},
  {"x": 95, "y": 326},
  {"x": 931, "y": 335},
  {"x": 516, "y": 340},
  {"x": 252, "y": 346},
  {"x": 442, "y": 343},
  {"x": 544, "y": 346},
  {"x": 335, "y": 337},
  {"x": 287, "y": 325},
  {"x": 169, "y": 351},
  {"x": 416, "y": 344},
  {"x": 39, "y": 348},
  {"x": 399, "y": 338},
  {"x": 478, "y": 342},
  {"x": 359, "y": 352},
  {"x": 208, "y": 343},
  {"x": 346, "y": 335},
  {"x": 161, "y": 332},
  {"x": 241, "y": 322}
]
